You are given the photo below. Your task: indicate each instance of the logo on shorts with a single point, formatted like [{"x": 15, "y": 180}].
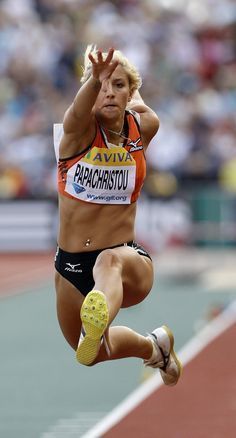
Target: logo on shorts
[{"x": 71, "y": 268}]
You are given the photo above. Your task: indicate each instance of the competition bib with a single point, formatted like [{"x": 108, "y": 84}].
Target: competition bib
[{"x": 103, "y": 176}]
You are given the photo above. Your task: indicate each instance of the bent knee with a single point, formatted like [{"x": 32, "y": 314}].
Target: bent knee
[{"x": 108, "y": 258}]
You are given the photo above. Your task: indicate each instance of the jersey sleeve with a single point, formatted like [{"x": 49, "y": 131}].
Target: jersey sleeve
[{"x": 57, "y": 136}]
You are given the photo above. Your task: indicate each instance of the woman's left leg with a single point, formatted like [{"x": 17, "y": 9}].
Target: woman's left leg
[{"x": 122, "y": 278}]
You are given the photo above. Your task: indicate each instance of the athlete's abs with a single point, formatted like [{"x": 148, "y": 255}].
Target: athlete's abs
[{"x": 86, "y": 227}]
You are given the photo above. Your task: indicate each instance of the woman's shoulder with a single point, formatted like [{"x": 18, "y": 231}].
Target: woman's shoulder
[
  {"x": 135, "y": 115},
  {"x": 147, "y": 120}
]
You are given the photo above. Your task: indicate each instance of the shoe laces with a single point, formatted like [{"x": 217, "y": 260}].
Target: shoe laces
[{"x": 162, "y": 364}]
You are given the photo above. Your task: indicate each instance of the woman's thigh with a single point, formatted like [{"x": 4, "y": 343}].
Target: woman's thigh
[{"x": 137, "y": 275}]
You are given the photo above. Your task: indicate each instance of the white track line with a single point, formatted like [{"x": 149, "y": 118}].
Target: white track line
[{"x": 216, "y": 327}]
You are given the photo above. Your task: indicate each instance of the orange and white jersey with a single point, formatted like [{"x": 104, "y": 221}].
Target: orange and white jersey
[{"x": 104, "y": 173}]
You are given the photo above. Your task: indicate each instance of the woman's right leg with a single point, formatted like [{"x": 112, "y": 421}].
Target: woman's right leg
[
  {"x": 156, "y": 350},
  {"x": 69, "y": 302},
  {"x": 125, "y": 342}
]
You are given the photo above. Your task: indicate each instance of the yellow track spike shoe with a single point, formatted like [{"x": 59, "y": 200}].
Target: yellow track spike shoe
[{"x": 94, "y": 316}]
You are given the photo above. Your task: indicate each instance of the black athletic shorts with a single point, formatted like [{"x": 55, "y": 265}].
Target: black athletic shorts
[{"x": 77, "y": 268}]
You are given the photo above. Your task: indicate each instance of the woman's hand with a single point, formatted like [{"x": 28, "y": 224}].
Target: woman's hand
[{"x": 102, "y": 69}]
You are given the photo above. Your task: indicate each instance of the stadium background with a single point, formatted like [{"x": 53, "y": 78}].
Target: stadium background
[{"x": 186, "y": 53}]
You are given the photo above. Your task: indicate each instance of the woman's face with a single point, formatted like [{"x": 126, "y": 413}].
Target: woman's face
[{"x": 113, "y": 95}]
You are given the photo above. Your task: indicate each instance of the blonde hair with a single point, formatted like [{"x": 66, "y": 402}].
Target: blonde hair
[{"x": 135, "y": 80}]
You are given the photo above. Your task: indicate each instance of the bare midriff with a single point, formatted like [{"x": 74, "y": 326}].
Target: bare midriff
[{"x": 87, "y": 227}]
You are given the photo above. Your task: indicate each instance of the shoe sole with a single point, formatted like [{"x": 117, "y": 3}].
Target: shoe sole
[
  {"x": 173, "y": 354},
  {"x": 94, "y": 316}
]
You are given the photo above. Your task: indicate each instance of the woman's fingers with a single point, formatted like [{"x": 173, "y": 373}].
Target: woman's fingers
[
  {"x": 100, "y": 57},
  {"x": 90, "y": 56},
  {"x": 104, "y": 67},
  {"x": 109, "y": 56},
  {"x": 114, "y": 64}
]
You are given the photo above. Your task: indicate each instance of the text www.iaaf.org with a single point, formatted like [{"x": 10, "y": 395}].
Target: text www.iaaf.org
[{"x": 107, "y": 198}]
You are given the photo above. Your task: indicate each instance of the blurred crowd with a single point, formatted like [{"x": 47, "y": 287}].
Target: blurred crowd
[{"x": 186, "y": 53}]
